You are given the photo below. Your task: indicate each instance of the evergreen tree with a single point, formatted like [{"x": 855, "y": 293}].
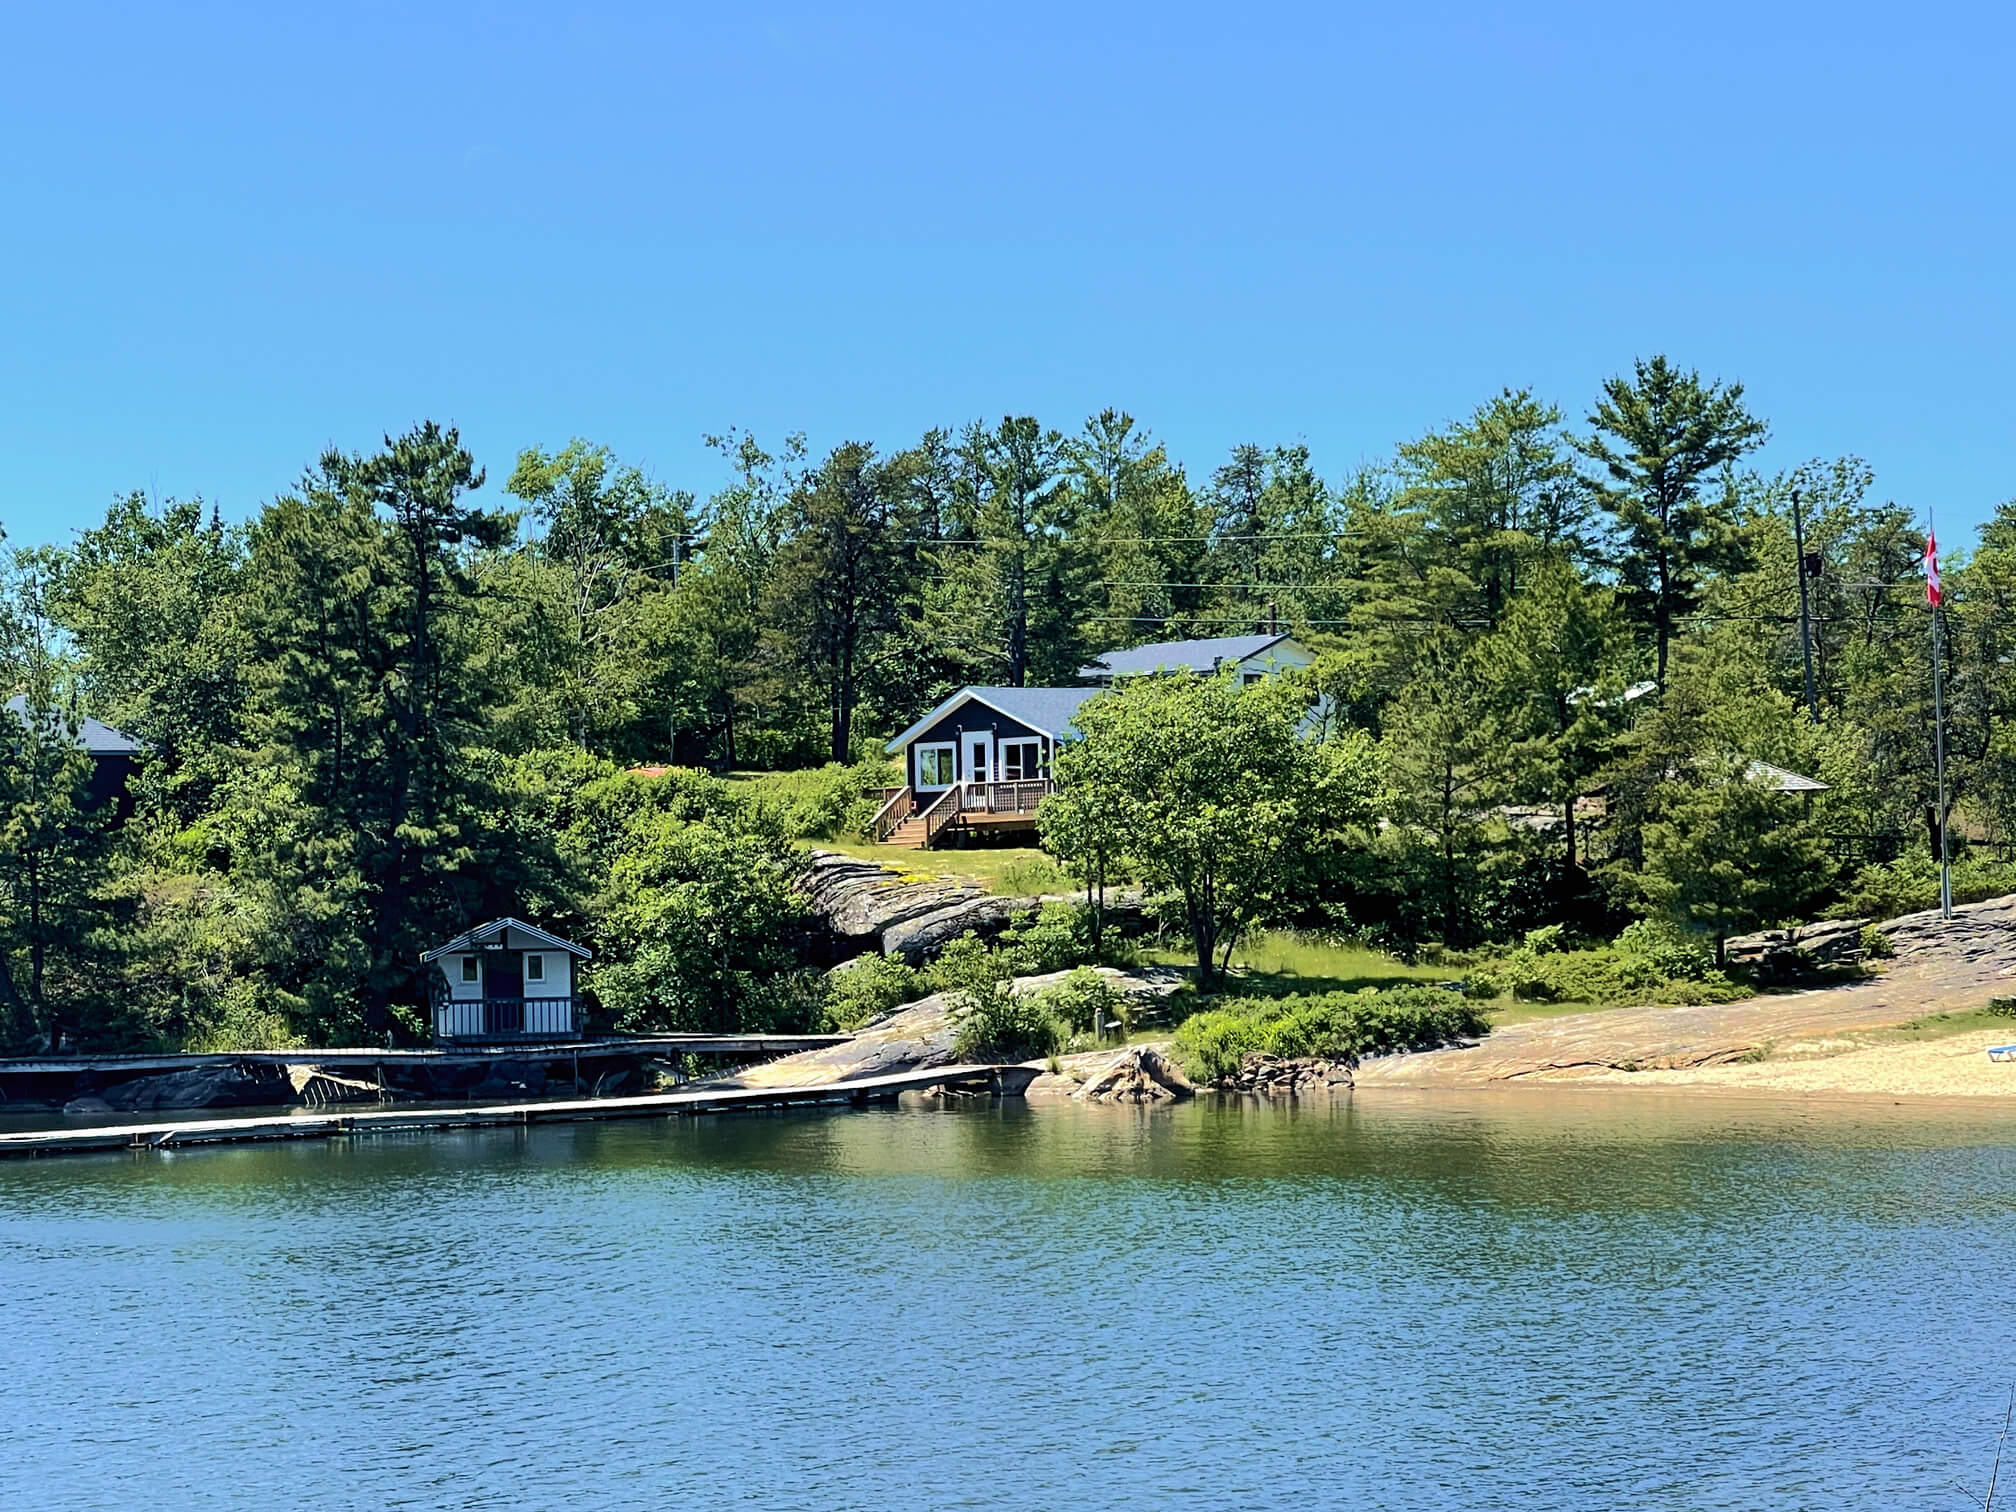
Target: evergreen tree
[{"x": 1663, "y": 442}]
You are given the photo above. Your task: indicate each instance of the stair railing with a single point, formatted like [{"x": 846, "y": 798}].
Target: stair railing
[
  {"x": 891, "y": 814},
  {"x": 943, "y": 810}
]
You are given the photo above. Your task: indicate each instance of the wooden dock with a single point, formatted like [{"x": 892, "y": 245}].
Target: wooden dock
[
  {"x": 366, "y": 1057},
  {"x": 999, "y": 1080}
]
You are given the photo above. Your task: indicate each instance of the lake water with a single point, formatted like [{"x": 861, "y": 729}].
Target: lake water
[{"x": 1538, "y": 1301}]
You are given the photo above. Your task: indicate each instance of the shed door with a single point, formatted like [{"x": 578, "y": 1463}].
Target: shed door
[{"x": 503, "y": 992}]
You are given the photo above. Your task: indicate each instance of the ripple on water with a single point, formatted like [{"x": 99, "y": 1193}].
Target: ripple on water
[{"x": 1400, "y": 1303}]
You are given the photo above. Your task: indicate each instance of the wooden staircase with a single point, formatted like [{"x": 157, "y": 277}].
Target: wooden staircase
[{"x": 910, "y": 834}]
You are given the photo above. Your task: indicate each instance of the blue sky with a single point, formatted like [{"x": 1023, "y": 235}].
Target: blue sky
[{"x": 236, "y": 236}]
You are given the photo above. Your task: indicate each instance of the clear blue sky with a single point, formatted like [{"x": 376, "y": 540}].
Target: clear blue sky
[{"x": 234, "y": 235}]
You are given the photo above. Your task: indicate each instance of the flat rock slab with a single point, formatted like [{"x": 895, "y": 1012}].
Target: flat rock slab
[
  {"x": 1942, "y": 966},
  {"x": 917, "y": 1036}
]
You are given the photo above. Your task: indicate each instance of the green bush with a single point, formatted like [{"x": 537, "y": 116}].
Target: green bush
[
  {"x": 1334, "y": 1025},
  {"x": 1651, "y": 961},
  {"x": 1876, "y": 945},
  {"x": 1056, "y": 937},
  {"x": 1677, "y": 954},
  {"x": 1910, "y": 884},
  {"x": 998, "y": 1025},
  {"x": 832, "y": 803},
  {"x": 1083, "y": 1002},
  {"x": 867, "y": 989}
]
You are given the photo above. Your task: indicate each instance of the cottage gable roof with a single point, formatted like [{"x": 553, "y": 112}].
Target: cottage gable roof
[
  {"x": 1201, "y": 656},
  {"x": 1779, "y": 780},
  {"x": 471, "y": 939},
  {"x": 93, "y": 735},
  {"x": 1047, "y": 710}
]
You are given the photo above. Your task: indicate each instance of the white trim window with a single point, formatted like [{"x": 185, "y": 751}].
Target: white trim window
[
  {"x": 937, "y": 765},
  {"x": 469, "y": 973},
  {"x": 535, "y": 968},
  {"x": 1022, "y": 760}
]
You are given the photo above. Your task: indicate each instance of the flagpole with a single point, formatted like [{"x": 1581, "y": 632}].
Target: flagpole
[{"x": 1933, "y": 598}]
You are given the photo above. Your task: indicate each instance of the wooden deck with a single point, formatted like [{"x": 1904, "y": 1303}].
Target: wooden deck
[
  {"x": 925, "y": 821},
  {"x": 999, "y": 1080}
]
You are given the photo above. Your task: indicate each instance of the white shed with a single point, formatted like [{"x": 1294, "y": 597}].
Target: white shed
[{"x": 502, "y": 980}]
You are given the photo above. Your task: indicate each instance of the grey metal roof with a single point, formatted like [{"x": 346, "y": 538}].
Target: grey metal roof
[
  {"x": 1181, "y": 656},
  {"x": 1047, "y": 709},
  {"x": 1779, "y": 780},
  {"x": 472, "y": 937},
  {"x": 93, "y": 735}
]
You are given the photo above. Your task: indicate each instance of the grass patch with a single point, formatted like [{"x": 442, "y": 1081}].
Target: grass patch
[
  {"x": 1018, "y": 871},
  {"x": 1282, "y": 962},
  {"x": 1935, "y": 1026}
]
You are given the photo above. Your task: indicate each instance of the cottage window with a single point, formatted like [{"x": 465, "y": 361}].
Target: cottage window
[
  {"x": 1250, "y": 678},
  {"x": 535, "y": 968},
  {"x": 468, "y": 968},
  {"x": 934, "y": 766},
  {"x": 1021, "y": 760}
]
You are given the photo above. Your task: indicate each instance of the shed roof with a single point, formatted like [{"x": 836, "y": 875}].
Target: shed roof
[
  {"x": 93, "y": 735},
  {"x": 1181, "y": 656},
  {"x": 1049, "y": 710},
  {"x": 469, "y": 939}
]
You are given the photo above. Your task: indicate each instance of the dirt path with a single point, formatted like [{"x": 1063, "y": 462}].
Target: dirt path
[{"x": 1941, "y": 967}]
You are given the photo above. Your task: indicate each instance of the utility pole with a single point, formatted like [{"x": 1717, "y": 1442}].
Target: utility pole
[
  {"x": 1933, "y": 599},
  {"x": 1805, "y": 608}
]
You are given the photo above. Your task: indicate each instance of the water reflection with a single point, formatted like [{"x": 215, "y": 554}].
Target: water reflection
[{"x": 1511, "y": 1301}]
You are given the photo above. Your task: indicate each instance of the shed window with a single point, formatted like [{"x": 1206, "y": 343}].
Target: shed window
[
  {"x": 535, "y": 968},
  {"x": 468, "y": 968},
  {"x": 1250, "y": 678}
]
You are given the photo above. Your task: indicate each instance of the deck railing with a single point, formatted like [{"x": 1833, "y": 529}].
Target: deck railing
[
  {"x": 1003, "y": 797},
  {"x": 901, "y": 804},
  {"x": 501, "y": 1018}
]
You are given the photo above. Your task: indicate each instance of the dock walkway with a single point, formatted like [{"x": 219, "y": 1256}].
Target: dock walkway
[
  {"x": 363, "y": 1057},
  {"x": 1001, "y": 1080}
]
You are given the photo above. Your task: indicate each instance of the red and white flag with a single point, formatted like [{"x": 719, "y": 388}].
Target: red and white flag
[{"x": 1931, "y": 569}]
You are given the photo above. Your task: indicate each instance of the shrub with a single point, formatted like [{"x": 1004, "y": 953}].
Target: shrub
[
  {"x": 1334, "y": 1025},
  {"x": 1910, "y": 884},
  {"x": 1545, "y": 940},
  {"x": 868, "y": 988},
  {"x": 1083, "y": 1002},
  {"x": 832, "y": 802},
  {"x": 1876, "y": 945},
  {"x": 1056, "y": 938},
  {"x": 997, "y": 1024},
  {"x": 1672, "y": 950}
]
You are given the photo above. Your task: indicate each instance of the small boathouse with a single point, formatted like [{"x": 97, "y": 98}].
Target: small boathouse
[{"x": 504, "y": 980}]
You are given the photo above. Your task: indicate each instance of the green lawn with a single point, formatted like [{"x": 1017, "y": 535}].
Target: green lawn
[
  {"x": 1008, "y": 871},
  {"x": 1283, "y": 961}
]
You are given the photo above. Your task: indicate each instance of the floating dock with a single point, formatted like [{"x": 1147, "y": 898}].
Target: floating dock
[
  {"x": 1001, "y": 1081},
  {"x": 365, "y": 1057}
]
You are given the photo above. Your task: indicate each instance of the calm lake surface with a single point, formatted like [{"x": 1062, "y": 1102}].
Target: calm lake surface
[{"x": 1574, "y": 1301}]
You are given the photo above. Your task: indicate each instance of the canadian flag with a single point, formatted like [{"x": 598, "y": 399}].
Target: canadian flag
[{"x": 1932, "y": 569}]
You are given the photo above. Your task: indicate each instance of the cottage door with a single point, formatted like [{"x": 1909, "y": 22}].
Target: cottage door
[
  {"x": 979, "y": 766},
  {"x": 503, "y": 992}
]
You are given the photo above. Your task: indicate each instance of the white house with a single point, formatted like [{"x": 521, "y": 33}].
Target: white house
[{"x": 504, "y": 979}]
